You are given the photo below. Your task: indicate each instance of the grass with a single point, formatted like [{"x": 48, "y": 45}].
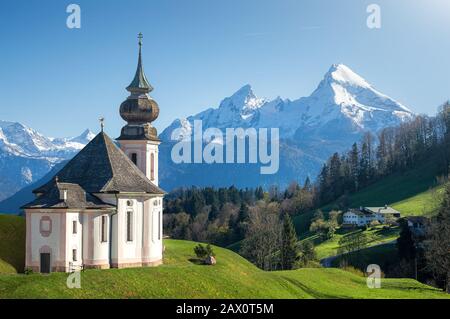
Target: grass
[
  {"x": 231, "y": 277},
  {"x": 396, "y": 187},
  {"x": 383, "y": 255},
  {"x": 422, "y": 204},
  {"x": 12, "y": 244},
  {"x": 376, "y": 235}
]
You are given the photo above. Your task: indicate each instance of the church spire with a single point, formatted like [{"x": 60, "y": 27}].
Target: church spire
[
  {"x": 139, "y": 110},
  {"x": 140, "y": 83}
]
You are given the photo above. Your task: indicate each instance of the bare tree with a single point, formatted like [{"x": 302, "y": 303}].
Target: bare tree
[
  {"x": 437, "y": 245},
  {"x": 262, "y": 241}
]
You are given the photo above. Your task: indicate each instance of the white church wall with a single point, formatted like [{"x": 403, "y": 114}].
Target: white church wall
[
  {"x": 101, "y": 248},
  {"x": 131, "y": 249},
  {"x": 95, "y": 251},
  {"x": 153, "y": 240},
  {"x": 152, "y": 148},
  {"x": 45, "y": 239},
  {"x": 74, "y": 239}
]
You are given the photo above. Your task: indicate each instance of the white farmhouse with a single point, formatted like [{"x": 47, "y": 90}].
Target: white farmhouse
[
  {"x": 104, "y": 208},
  {"x": 365, "y": 215}
]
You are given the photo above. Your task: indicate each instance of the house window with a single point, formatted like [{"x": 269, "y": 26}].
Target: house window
[
  {"x": 152, "y": 166},
  {"x": 129, "y": 226},
  {"x": 74, "y": 227},
  {"x": 74, "y": 254},
  {"x": 104, "y": 229},
  {"x": 134, "y": 158}
]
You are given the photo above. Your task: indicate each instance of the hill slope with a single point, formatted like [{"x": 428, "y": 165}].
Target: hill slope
[
  {"x": 412, "y": 193},
  {"x": 12, "y": 244},
  {"x": 232, "y": 277}
]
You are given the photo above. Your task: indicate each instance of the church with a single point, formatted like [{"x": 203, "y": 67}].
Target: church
[{"x": 103, "y": 209}]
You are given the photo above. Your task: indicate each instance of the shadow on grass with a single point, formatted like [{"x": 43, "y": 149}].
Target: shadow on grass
[{"x": 197, "y": 261}]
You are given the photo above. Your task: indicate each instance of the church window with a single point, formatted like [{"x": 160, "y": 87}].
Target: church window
[
  {"x": 104, "y": 230},
  {"x": 152, "y": 167},
  {"x": 129, "y": 226},
  {"x": 159, "y": 225},
  {"x": 74, "y": 254},
  {"x": 134, "y": 158},
  {"x": 74, "y": 226}
]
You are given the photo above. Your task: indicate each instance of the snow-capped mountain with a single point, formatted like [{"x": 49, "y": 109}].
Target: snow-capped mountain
[
  {"x": 26, "y": 155},
  {"x": 334, "y": 116},
  {"x": 239, "y": 110},
  {"x": 18, "y": 139}
]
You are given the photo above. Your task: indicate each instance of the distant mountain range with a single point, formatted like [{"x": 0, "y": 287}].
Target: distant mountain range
[
  {"x": 342, "y": 108},
  {"x": 26, "y": 155}
]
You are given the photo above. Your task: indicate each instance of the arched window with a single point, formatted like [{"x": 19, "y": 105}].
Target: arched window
[
  {"x": 134, "y": 158},
  {"x": 152, "y": 166}
]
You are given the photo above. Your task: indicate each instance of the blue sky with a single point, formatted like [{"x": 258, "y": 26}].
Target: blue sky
[{"x": 196, "y": 52}]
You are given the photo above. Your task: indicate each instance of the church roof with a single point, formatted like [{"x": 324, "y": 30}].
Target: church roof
[
  {"x": 67, "y": 195},
  {"x": 101, "y": 167}
]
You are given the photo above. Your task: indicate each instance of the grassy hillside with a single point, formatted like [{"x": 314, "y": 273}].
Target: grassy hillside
[
  {"x": 422, "y": 204},
  {"x": 12, "y": 244},
  {"x": 396, "y": 187},
  {"x": 384, "y": 255},
  {"x": 412, "y": 193},
  {"x": 376, "y": 236},
  {"x": 232, "y": 277}
]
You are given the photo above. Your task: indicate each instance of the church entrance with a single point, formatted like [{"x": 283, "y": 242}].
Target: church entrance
[{"x": 45, "y": 263}]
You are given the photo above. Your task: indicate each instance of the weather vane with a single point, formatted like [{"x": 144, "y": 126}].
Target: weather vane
[
  {"x": 102, "y": 122},
  {"x": 140, "y": 37}
]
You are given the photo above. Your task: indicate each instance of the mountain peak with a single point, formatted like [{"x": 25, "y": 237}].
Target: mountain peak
[
  {"x": 244, "y": 98},
  {"x": 342, "y": 74},
  {"x": 84, "y": 137},
  {"x": 245, "y": 90}
]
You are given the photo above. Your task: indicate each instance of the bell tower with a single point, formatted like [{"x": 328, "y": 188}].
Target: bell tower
[{"x": 139, "y": 139}]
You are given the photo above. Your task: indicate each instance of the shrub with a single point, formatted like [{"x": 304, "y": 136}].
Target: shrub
[
  {"x": 203, "y": 252},
  {"x": 28, "y": 271}
]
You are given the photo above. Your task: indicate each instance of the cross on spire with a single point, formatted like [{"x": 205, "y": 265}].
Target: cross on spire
[{"x": 140, "y": 37}]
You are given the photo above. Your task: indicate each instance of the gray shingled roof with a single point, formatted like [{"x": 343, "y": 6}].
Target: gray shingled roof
[
  {"x": 101, "y": 167},
  {"x": 383, "y": 210},
  {"x": 75, "y": 197}
]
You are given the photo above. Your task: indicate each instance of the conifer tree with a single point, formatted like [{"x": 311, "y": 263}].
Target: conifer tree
[{"x": 289, "y": 250}]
